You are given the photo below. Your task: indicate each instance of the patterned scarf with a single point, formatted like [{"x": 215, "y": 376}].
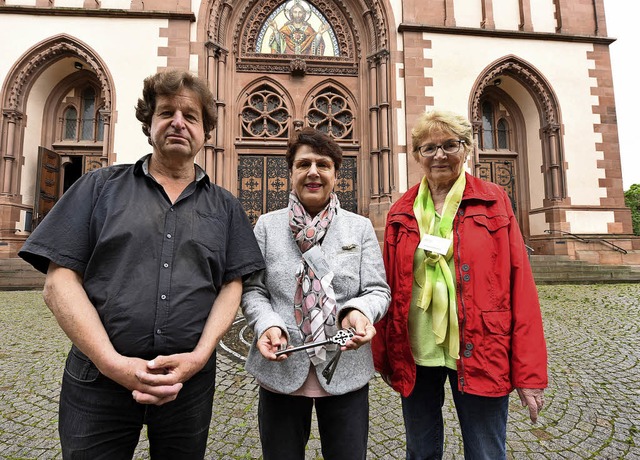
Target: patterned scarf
[
  {"x": 314, "y": 300},
  {"x": 435, "y": 277}
]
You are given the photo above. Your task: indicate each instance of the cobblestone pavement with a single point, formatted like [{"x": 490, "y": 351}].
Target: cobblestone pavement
[{"x": 593, "y": 399}]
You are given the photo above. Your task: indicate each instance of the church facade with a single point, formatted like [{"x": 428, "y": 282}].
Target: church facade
[{"x": 533, "y": 76}]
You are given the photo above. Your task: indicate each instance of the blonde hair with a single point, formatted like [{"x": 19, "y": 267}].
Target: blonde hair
[{"x": 436, "y": 121}]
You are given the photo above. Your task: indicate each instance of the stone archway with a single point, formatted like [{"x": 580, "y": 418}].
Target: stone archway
[
  {"x": 17, "y": 86},
  {"x": 548, "y": 108},
  {"x": 27, "y": 70},
  {"x": 361, "y": 30}
]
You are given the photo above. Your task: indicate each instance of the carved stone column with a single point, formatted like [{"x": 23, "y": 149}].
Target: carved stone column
[
  {"x": 10, "y": 162},
  {"x": 106, "y": 141},
  {"x": 216, "y": 74},
  {"x": 374, "y": 128},
  {"x": 555, "y": 175},
  {"x": 385, "y": 148},
  {"x": 477, "y": 125}
]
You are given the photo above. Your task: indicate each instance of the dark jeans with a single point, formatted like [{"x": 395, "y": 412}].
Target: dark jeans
[
  {"x": 99, "y": 419},
  {"x": 285, "y": 425},
  {"x": 483, "y": 420}
]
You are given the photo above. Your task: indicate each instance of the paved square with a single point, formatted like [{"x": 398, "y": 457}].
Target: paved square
[{"x": 592, "y": 403}]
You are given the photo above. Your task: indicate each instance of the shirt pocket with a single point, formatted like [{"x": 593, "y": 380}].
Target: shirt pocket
[
  {"x": 497, "y": 322},
  {"x": 492, "y": 224},
  {"x": 209, "y": 230}
]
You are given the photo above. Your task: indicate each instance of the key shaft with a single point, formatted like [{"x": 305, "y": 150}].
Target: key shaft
[{"x": 303, "y": 347}]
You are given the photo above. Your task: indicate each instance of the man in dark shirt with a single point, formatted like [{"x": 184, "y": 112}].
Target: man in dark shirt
[{"x": 144, "y": 269}]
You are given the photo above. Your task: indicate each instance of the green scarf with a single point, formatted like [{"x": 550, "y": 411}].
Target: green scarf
[{"x": 436, "y": 280}]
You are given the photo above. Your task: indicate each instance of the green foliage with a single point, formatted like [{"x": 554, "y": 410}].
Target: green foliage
[{"x": 632, "y": 200}]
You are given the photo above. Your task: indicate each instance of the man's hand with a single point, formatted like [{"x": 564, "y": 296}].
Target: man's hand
[
  {"x": 165, "y": 372},
  {"x": 364, "y": 329},
  {"x": 126, "y": 372},
  {"x": 272, "y": 340},
  {"x": 534, "y": 399}
]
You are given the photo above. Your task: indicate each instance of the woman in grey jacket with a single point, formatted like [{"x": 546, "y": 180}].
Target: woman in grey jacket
[{"x": 324, "y": 273}]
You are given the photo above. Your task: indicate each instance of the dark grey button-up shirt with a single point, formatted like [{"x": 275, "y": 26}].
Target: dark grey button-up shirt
[{"x": 151, "y": 268}]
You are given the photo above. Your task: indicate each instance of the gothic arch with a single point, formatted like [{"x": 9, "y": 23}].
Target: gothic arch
[
  {"x": 44, "y": 54},
  {"x": 546, "y": 102},
  {"x": 528, "y": 76},
  {"x": 255, "y": 12},
  {"x": 14, "y": 100}
]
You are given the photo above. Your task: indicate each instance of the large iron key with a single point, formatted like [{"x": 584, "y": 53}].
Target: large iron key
[{"x": 341, "y": 338}]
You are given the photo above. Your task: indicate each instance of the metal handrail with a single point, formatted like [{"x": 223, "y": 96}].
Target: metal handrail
[{"x": 583, "y": 240}]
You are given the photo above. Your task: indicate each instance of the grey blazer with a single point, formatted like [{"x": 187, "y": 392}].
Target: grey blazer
[{"x": 353, "y": 253}]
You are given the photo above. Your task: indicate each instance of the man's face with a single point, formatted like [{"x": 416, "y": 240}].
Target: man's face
[
  {"x": 297, "y": 14},
  {"x": 177, "y": 128}
]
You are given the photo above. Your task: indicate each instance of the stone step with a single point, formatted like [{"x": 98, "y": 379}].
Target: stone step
[
  {"x": 18, "y": 275},
  {"x": 562, "y": 270}
]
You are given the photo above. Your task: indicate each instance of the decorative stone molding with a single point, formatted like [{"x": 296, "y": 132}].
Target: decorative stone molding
[
  {"x": 43, "y": 55},
  {"x": 285, "y": 67},
  {"x": 525, "y": 74},
  {"x": 298, "y": 67},
  {"x": 13, "y": 116}
]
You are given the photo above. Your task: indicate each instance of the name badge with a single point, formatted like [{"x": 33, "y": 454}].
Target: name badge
[
  {"x": 317, "y": 262},
  {"x": 435, "y": 244}
]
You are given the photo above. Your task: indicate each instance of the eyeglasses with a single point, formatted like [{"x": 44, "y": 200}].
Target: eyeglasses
[
  {"x": 450, "y": 147},
  {"x": 321, "y": 165}
]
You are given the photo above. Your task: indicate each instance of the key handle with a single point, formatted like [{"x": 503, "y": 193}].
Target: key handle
[{"x": 342, "y": 336}]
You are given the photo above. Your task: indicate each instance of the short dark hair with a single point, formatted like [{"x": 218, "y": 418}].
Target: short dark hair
[
  {"x": 321, "y": 143},
  {"x": 168, "y": 83}
]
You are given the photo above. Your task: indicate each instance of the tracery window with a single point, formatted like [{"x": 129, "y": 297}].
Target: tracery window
[
  {"x": 265, "y": 114},
  {"x": 82, "y": 120},
  {"x": 70, "y": 123},
  {"x": 495, "y": 127},
  {"x": 88, "y": 113},
  {"x": 331, "y": 113}
]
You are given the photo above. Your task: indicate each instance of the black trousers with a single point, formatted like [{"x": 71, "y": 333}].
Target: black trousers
[
  {"x": 100, "y": 420},
  {"x": 285, "y": 425}
]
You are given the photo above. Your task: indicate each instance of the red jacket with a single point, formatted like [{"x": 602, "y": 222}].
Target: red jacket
[{"x": 502, "y": 343}]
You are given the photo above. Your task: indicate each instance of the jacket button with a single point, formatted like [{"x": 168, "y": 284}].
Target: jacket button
[
  {"x": 468, "y": 346},
  {"x": 467, "y": 354},
  {"x": 465, "y": 267},
  {"x": 461, "y": 212},
  {"x": 466, "y": 277}
]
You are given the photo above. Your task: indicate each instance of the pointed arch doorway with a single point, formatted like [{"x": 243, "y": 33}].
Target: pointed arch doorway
[
  {"x": 75, "y": 113},
  {"x": 502, "y": 150},
  {"x": 516, "y": 121},
  {"x": 272, "y": 76}
]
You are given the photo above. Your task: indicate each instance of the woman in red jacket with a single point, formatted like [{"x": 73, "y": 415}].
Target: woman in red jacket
[{"x": 464, "y": 303}]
